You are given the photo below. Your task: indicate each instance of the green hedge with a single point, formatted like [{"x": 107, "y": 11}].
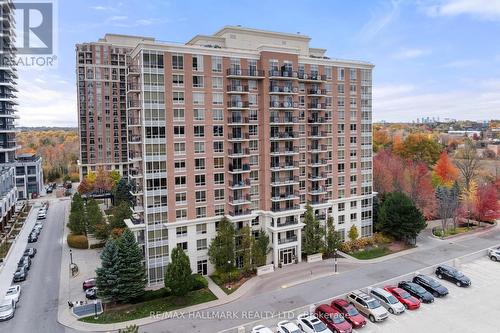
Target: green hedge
[
  {"x": 97, "y": 245},
  {"x": 78, "y": 241},
  {"x": 199, "y": 282}
]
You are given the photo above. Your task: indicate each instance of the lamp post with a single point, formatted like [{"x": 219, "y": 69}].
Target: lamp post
[
  {"x": 95, "y": 309},
  {"x": 71, "y": 257},
  {"x": 335, "y": 260}
]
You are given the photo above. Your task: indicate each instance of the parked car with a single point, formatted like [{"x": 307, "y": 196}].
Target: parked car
[
  {"x": 30, "y": 251},
  {"x": 368, "y": 306},
  {"x": 333, "y": 319},
  {"x": 20, "y": 275},
  {"x": 32, "y": 238},
  {"x": 350, "y": 313},
  {"x": 286, "y": 326},
  {"x": 91, "y": 293},
  {"x": 49, "y": 189},
  {"x": 13, "y": 293},
  {"x": 431, "y": 285},
  {"x": 89, "y": 283},
  {"x": 261, "y": 329},
  {"x": 38, "y": 225},
  {"x": 7, "y": 309},
  {"x": 494, "y": 254},
  {"x": 24, "y": 262},
  {"x": 410, "y": 302},
  {"x": 310, "y": 324},
  {"x": 36, "y": 231},
  {"x": 42, "y": 214},
  {"x": 388, "y": 300},
  {"x": 417, "y": 291},
  {"x": 453, "y": 275}
]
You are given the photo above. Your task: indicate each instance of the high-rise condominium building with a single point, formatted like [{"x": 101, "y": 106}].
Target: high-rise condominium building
[
  {"x": 8, "y": 76},
  {"x": 248, "y": 124}
]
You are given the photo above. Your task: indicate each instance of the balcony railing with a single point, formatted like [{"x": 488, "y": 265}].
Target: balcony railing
[
  {"x": 237, "y": 120},
  {"x": 294, "y": 164},
  {"x": 239, "y": 168},
  {"x": 284, "y": 181},
  {"x": 245, "y": 72},
  {"x": 284, "y": 209},
  {"x": 237, "y": 88},
  {"x": 134, "y": 103},
  {"x": 317, "y": 120},
  {"x": 283, "y": 89},
  {"x": 287, "y": 240},
  {"x": 285, "y": 196},
  {"x": 284, "y": 135},
  {"x": 239, "y": 136},
  {"x": 286, "y": 223},
  {"x": 315, "y": 177},
  {"x": 311, "y": 76},
  {"x": 239, "y": 184},
  {"x": 238, "y": 104},
  {"x": 321, "y": 134},
  {"x": 282, "y": 73},
  {"x": 317, "y": 92},
  {"x": 283, "y": 120},
  {"x": 320, "y": 106},
  {"x": 317, "y": 148},
  {"x": 286, "y": 151},
  {"x": 238, "y": 152},
  {"x": 239, "y": 212},
  {"x": 133, "y": 69},
  {"x": 318, "y": 162},
  {"x": 285, "y": 105},
  {"x": 239, "y": 200}
]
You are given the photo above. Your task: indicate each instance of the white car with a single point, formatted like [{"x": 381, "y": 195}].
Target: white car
[
  {"x": 494, "y": 254},
  {"x": 42, "y": 214},
  {"x": 261, "y": 329},
  {"x": 7, "y": 309},
  {"x": 310, "y": 324},
  {"x": 39, "y": 225},
  {"x": 388, "y": 300},
  {"x": 13, "y": 293},
  {"x": 286, "y": 326}
]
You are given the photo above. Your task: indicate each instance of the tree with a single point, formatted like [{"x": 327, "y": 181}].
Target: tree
[
  {"x": 121, "y": 192},
  {"x": 467, "y": 163},
  {"x": 76, "y": 222},
  {"x": 115, "y": 177},
  {"x": 388, "y": 172},
  {"x": 221, "y": 249},
  {"x": 94, "y": 215},
  {"x": 398, "y": 217},
  {"x": 418, "y": 186},
  {"x": 332, "y": 238},
  {"x": 85, "y": 186},
  {"x": 353, "y": 233},
  {"x": 487, "y": 208},
  {"x": 103, "y": 181},
  {"x": 246, "y": 248},
  {"x": 448, "y": 203},
  {"x": 444, "y": 170},
  {"x": 120, "y": 214},
  {"x": 178, "y": 277},
  {"x": 107, "y": 274},
  {"x": 313, "y": 233},
  {"x": 260, "y": 249},
  {"x": 420, "y": 147},
  {"x": 131, "y": 274}
]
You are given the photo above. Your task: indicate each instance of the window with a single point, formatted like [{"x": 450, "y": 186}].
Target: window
[
  {"x": 218, "y": 131},
  {"x": 201, "y": 196},
  {"x": 219, "y": 210},
  {"x": 341, "y": 181},
  {"x": 183, "y": 246},
  {"x": 217, "y": 82},
  {"x": 217, "y": 98},
  {"x": 201, "y": 244},
  {"x": 217, "y": 114},
  {"x": 197, "y": 81},
  {"x": 179, "y": 165},
  {"x": 341, "y": 206},
  {"x": 199, "y": 114},
  {"x": 177, "y": 61},
  {"x": 178, "y": 97},
  {"x": 219, "y": 178},
  {"x": 354, "y": 216},
  {"x": 180, "y": 181},
  {"x": 352, "y": 74},
  {"x": 179, "y": 132},
  {"x": 341, "y": 219},
  {"x": 199, "y": 164},
  {"x": 180, "y": 198},
  {"x": 201, "y": 212},
  {"x": 198, "y": 98},
  {"x": 199, "y": 180},
  {"x": 179, "y": 115},
  {"x": 198, "y": 63},
  {"x": 340, "y": 74},
  {"x": 216, "y": 64},
  {"x": 178, "y": 80},
  {"x": 340, "y": 88},
  {"x": 219, "y": 194},
  {"x": 201, "y": 229},
  {"x": 341, "y": 167},
  {"x": 328, "y": 72},
  {"x": 354, "y": 204},
  {"x": 218, "y": 146},
  {"x": 179, "y": 148},
  {"x": 199, "y": 147},
  {"x": 180, "y": 214},
  {"x": 218, "y": 162}
]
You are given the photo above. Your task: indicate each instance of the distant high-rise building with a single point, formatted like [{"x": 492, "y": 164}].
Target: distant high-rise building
[{"x": 248, "y": 124}]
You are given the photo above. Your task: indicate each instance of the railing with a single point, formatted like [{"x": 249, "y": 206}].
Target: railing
[
  {"x": 134, "y": 103},
  {"x": 241, "y": 183},
  {"x": 133, "y": 69},
  {"x": 283, "y": 89},
  {"x": 134, "y": 138},
  {"x": 245, "y": 72},
  {"x": 240, "y": 136},
  {"x": 134, "y": 121},
  {"x": 239, "y": 212},
  {"x": 319, "y": 120},
  {"x": 318, "y": 148},
  {"x": 317, "y": 162},
  {"x": 134, "y": 86},
  {"x": 242, "y": 151},
  {"x": 236, "y": 88},
  {"x": 285, "y": 196},
  {"x": 320, "y": 176},
  {"x": 284, "y": 135},
  {"x": 238, "y": 104},
  {"x": 284, "y": 181},
  {"x": 317, "y": 92},
  {"x": 318, "y": 190},
  {"x": 317, "y": 134},
  {"x": 276, "y": 104},
  {"x": 287, "y": 240},
  {"x": 240, "y": 200},
  {"x": 243, "y": 167},
  {"x": 294, "y": 164},
  {"x": 284, "y": 120},
  {"x": 316, "y": 106},
  {"x": 286, "y": 223},
  {"x": 237, "y": 120},
  {"x": 311, "y": 76},
  {"x": 283, "y": 73},
  {"x": 284, "y": 209},
  {"x": 295, "y": 150}
]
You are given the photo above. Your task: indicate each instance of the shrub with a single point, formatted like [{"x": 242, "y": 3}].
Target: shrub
[
  {"x": 346, "y": 247},
  {"x": 78, "y": 241},
  {"x": 97, "y": 245},
  {"x": 199, "y": 282},
  {"x": 381, "y": 238},
  {"x": 150, "y": 295}
]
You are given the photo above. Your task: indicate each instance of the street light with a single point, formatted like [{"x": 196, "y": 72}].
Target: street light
[
  {"x": 71, "y": 257},
  {"x": 335, "y": 260},
  {"x": 95, "y": 309}
]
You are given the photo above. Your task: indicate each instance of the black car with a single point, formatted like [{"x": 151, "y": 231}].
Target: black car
[
  {"x": 30, "y": 251},
  {"x": 453, "y": 275},
  {"x": 32, "y": 238},
  {"x": 431, "y": 285},
  {"x": 20, "y": 275},
  {"x": 24, "y": 262},
  {"x": 91, "y": 293},
  {"x": 416, "y": 291}
]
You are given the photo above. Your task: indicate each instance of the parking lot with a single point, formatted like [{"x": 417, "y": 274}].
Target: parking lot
[{"x": 472, "y": 309}]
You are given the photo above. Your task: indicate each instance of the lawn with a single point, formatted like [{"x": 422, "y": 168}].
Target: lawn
[
  {"x": 371, "y": 253},
  {"x": 4, "y": 248},
  {"x": 144, "y": 309},
  {"x": 450, "y": 232}
]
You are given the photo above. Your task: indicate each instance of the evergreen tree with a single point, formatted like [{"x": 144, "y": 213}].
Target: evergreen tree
[
  {"x": 76, "y": 222},
  {"x": 353, "y": 233},
  {"x": 94, "y": 215},
  {"x": 398, "y": 217},
  {"x": 121, "y": 192},
  {"x": 120, "y": 213},
  {"x": 246, "y": 248},
  {"x": 131, "y": 274},
  {"x": 332, "y": 238},
  {"x": 313, "y": 233},
  {"x": 107, "y": 274},
  {"x": 178, "y": 277},
  {"x": 260, "y": 249},
  {"x": 221, "y": 249}
]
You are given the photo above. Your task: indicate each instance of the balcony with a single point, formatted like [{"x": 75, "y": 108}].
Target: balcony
[
  {"x": 239, "y": 212},
  {"x": 317, "y": 149},
  {"x": 135, "y": 139},
  {"x": 134, "y": 156},
  {"x": 135, "y": 172},
  {"x": 284, "y": 181},
  {"x": 317, "y": 163},
  {"x": 317, "y": 191},
  {"x": 238, "y": 153},
  {"x": 283, "y": 74},
  {"x": 287, "y": 223},
  {"x": 287, "y": 240},
  {"x": 239, "y": 184},
  {"x": 285, "y": 166},
  {"x": 316, "y": 177},
  {"x": 283, "y": 105},
  {"x": 239, "y": 168},
  {"x": 245, "y": 73},
  {"x": 311, "y": 77},
  {"x": 317, "y": 92},
  {"x": 283, "y": 90},
  {"x": 237, "y": 120},
  {"x": 134, "y": 121},
  {"x": 285, "y": 196},
  {"x": 133, "y": 70},
  {"x": 134, "y": 104},
  {"x": 238, "y": 105},
  {"x": 285, "y": 209},
  {"x": 133, "y": 87},
  {"x": 286, "y": 151},
  {"x": 237, "y": 89},
  {"x": 284, "y": 135},
  {"x": 283, "y": 120},
  {"x": 238, "y": 136},
  {"x": 243, "y": 200},
  {"x": 316, "y": 120},
  {"x": 316, "y": 106},
  {"x": 317, "y": 135}
]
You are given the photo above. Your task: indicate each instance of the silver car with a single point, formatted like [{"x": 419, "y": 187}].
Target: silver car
[
  {"x": 7, "y": 309},
  {"x": 388, "y": 300},
  {"x": 368, "y": 306},
  {"x": 494, "y": 254}
]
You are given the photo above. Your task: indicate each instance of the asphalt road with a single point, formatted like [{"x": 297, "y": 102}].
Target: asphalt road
[{"x": 37, "y": 307}]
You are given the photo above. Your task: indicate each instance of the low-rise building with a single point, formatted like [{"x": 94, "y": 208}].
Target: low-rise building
[
  {"x": 8, "y": 195},
  {"x": 29, "y": 176}
]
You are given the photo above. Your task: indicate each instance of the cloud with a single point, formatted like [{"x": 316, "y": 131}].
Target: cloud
[
  {"x": 461, "y": 63},
  {"x": 411, "y": 53},
  {"x": 481, "y": 9},
  {"x": 380, "y": 20},
  {"x": 406, "y": 102},
  {"x": 100, "y": 8}
]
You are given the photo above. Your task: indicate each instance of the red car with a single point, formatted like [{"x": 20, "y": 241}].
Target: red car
[
  {"x": 349, "y": 312},
  {"x": 410, "y": 302},
  {"x": 90, "y": 283},
  {"x": 333, "y": 319}
]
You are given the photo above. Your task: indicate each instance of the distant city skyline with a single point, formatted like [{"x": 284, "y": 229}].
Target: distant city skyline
[{"x": 431, "y": 57}]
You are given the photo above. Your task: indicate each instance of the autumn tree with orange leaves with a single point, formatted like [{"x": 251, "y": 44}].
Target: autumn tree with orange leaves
[{"x": 445, "y": 173}]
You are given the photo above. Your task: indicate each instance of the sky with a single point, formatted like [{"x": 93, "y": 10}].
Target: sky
[{"x": 433, "y": 58}]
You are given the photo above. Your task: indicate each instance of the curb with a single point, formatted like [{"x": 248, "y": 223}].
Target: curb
[
  {"x": 467, "y": 234},
  {"x": 380, "y": 259}
]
